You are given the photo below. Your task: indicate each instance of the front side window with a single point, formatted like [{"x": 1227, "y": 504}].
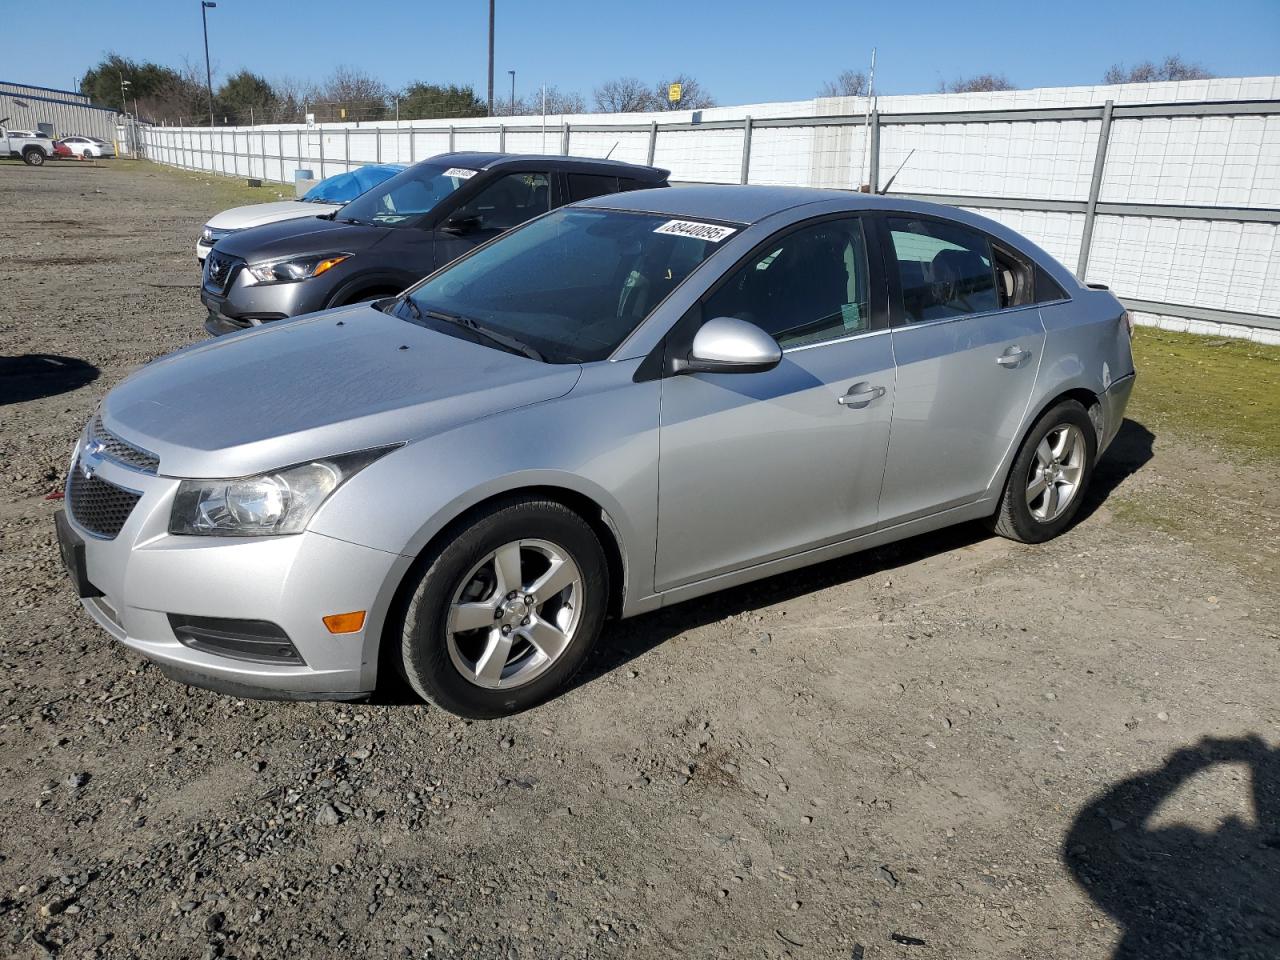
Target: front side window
[
  {"x": 810, "y": 286},
  {"x": 507, "y": 202},
  {"x": 406, "y": 196},
  {"x": 572, "y": 285},
  {"x": 945, "y": 270}
]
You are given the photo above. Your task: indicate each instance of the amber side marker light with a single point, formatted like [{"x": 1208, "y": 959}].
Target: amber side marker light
[
  {"x": 321, "y": 267},
  {"x": 345, "y": 622}
]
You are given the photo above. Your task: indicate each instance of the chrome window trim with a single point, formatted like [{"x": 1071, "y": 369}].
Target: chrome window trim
[{"x": 863, "y": 334}]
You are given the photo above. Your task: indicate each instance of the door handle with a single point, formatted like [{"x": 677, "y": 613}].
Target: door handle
[
  {"x": 859, "y": 395},
  {"x": 1012, "y": 357}
]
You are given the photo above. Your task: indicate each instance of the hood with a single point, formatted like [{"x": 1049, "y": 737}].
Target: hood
[
  {"x": 286, "y": 238},
  {"x": 329, "y": 383},
  {"x": 256, "y": 214}
]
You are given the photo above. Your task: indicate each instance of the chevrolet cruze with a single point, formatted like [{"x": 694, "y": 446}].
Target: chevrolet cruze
[{"x": 621, "y": 404}]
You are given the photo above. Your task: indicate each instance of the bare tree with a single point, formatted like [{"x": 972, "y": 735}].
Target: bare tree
[
  {"x": 1173, "y": 67},
  {"x": 849, "y": 83},
  {"x": 351, "y": 94},
  {"x": 980, "y": 83},
  {"x": 692, "y": 94},
  {"x": 624, "y": 95}
]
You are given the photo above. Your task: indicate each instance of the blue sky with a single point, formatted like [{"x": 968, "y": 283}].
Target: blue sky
[{"x": 744, "y": 51}]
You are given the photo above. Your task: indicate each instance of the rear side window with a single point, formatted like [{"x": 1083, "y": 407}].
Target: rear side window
[
  {"x": 628, "y": 183},
  {"x": 944, "y": 270},
  {"x": 584, "y": 186}
]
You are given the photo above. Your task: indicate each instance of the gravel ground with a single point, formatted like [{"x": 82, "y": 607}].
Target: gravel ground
[{"x": 953, "y": 747}]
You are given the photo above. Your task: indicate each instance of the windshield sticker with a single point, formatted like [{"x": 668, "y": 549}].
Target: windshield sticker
[
  {"x": 460, "y": 173},
  {"x": 697, "y": 231}
]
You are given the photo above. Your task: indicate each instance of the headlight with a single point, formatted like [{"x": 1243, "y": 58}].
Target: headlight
[
  {"x": 211, "y": 235},
  {"x": 270, "y": 504},
  {"x": 295, "y": 268}
]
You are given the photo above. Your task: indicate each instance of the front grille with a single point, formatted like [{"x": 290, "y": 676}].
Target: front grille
[
  {"x": 121, "y": 451},
  {"x": 100, "y": 507},
  {"x": 218, "y": 271}
]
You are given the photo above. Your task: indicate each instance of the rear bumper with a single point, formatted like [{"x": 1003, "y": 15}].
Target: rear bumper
[{"x": 1114, "y": 401}]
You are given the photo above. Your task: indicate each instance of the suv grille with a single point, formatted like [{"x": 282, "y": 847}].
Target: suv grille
[
  {"x": 119, "y": 450},
  {"x": 98, "y": 506},
  {"x": 218, "y": 270}
]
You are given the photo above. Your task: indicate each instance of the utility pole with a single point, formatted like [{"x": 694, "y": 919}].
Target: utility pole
[
  {"x": 208, "y": 71},
  {"x": 491, "y": 57},
  {"x": 513, "y": 92},
  {"x": 124, "y": 105}
]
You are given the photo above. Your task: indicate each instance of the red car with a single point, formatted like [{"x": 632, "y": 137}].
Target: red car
[{"x": 62, "y": 151}]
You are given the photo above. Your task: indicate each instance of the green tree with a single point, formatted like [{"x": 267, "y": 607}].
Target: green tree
[
  {"x": 102, "y": 82},
  {"x": 246, "y": 97},
  {"x": 427, "y": 101}
]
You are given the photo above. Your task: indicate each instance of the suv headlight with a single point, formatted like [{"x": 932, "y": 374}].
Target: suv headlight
[
  {"x": 295, "y": 268},
  {"x": 270, "y": 504}
]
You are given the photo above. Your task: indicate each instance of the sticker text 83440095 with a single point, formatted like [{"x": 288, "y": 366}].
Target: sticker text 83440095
[{"x": 696, "y": 231}]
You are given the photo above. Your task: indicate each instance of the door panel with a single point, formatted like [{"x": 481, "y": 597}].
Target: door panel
[
  {"x": 761, "y": 465},
  {"x": 962, "y": 393}
]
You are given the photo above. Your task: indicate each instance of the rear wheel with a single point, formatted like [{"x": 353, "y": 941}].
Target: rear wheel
[
  {"x": 33, "y": 157},
  {"x": 1050, "y": 474},
  {"x": 506, "y": 611}
]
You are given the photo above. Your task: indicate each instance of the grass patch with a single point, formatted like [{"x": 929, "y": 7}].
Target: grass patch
[
  {"x": 1221, "y": 391},
  {"x": 223, "y": 190}
]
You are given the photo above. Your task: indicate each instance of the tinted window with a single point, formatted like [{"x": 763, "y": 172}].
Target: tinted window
[
  {"x": 945, "y": 270},
  {"x": 809, "y": 286},
  {"x": 405, "y": 196},
  {"x": 345, "y": 187},
  {"x": 507, "y": 202},
  {"x": 584, "y": 186},
  {"x": 627, "y": 183},
  {"x": 572, "y": 285}
]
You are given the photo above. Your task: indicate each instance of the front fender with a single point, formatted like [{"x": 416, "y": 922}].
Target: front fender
[{"x": 600, "y": 442}]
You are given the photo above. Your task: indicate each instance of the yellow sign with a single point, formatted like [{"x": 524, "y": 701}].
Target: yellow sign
[
  {"x": 342, "y": 112},
  {"x": 673, "y": 93}
]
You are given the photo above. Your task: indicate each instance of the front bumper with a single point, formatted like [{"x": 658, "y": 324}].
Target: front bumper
[
  {"x": 245, "y": 305},
  {"x": 144, "y": 574}
]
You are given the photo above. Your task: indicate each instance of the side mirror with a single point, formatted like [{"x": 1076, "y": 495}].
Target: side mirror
[
  {"x": 730, "y": 345},
  {"x": 459, "y": 225}
]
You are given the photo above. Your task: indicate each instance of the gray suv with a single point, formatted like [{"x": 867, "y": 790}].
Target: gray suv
[{"x": 396, "y": 234}]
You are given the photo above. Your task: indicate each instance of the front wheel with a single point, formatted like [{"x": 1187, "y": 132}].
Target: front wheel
[
  {"x": 33, "y": 158},
  {"x": 506, "y": 611},
  {"x": 1050, "y": 474}
]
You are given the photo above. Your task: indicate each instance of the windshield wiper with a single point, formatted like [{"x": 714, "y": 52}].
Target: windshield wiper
[
  {"x": 510, "y": 344},
  {"x": 404, "y": 300},
  {"x": 352, "y": 220}
]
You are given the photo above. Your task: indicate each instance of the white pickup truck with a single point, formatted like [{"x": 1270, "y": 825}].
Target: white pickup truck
[{"x": 33, "y": 151}]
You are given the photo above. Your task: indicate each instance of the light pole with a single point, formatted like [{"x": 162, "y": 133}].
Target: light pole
[
  {"x": 208, "y": 71},
  {"x": 513, "y": 92},
  {"x": 491, "y": 58},
  {"x": 124, "y": 107}
]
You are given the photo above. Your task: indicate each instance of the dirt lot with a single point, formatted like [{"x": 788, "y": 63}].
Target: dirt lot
[{"x": 954, "y": 747}]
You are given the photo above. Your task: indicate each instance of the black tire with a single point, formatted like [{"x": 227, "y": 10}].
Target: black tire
[
  {"x": 425, "y": 660},
  {"x": 33, "y": 157},
  {"x": 1015, "y": 519}
]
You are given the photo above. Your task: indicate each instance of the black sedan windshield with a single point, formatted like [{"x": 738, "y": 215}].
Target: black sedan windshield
[
  {"x": 571, "y": 285},
  {"x": 406, "y": 196}
]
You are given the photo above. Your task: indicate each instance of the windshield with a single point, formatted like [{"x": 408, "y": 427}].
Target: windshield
[
  {"x": 345, "y": 187},
  {"x": 405, "y": 196},
  {"x": 571, "y": 285}
]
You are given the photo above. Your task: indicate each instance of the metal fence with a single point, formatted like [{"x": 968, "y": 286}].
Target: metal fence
[{"x": 1176, "y": 206}]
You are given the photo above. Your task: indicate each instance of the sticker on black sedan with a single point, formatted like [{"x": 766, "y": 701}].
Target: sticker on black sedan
[
  {"x": 697, "y": 231},
  {"x": 460, "y": 173}
]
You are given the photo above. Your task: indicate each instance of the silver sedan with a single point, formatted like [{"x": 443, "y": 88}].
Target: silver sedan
[{"x": 623, "y": 404}]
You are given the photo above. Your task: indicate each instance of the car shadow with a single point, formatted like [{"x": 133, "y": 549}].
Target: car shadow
[
  {"x": 1177, "y": 891},
  {"x": 1130, "y": 451},
  {"x": 34, "y": 376}
]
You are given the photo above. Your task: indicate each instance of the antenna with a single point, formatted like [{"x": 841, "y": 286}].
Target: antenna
[
  {"x": 885, "y": 189},
  {"x": 611, "y": 149}
]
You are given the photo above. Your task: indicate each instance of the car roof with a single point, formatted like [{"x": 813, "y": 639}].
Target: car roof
[
  {"x": 734, "y": 203},
  {"x": 482, "y": 160}
]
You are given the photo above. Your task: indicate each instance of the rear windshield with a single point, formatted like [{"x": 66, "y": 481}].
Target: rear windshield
[
  {"x": 406, "y": 196},
  {"x": 572, "y": 284}
]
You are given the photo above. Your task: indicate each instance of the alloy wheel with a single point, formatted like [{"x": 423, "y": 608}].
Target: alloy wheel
[
  {"x": 514, "y": 614},
  {"x": 1056, "y": 472}
]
